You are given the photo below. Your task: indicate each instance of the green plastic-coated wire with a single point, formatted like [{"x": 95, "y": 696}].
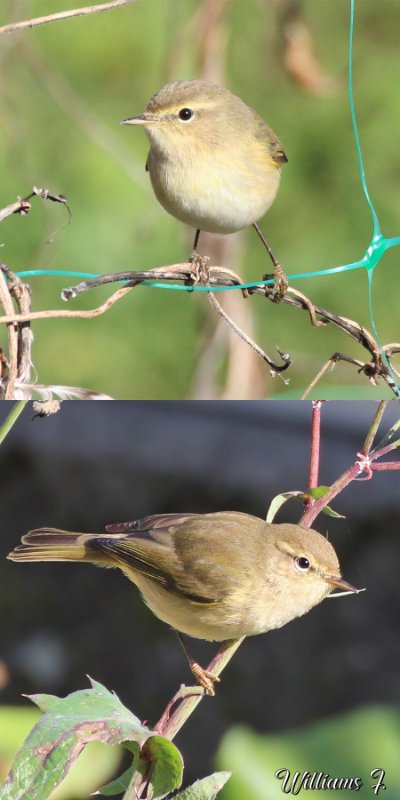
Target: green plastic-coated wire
[
  {"x": 64, "y": 273},
  {"x": 377, "y": 228}
]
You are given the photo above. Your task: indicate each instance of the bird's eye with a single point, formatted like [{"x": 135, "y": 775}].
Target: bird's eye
[
  {"x": 185, "y": 114},
  {"x": 302, "y": 563}
]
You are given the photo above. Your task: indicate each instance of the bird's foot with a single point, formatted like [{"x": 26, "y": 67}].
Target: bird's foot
[
  {"x": 199, "y": 267},
  {"x": 205, "y": 678},
  {"x": 281, "y": 284}
]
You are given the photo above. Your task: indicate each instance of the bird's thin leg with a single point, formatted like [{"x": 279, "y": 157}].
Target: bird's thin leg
[
  {"x": 281, "y": 281},
  {"x": 196, "y": 260},
  {"x": 205, "y": 678},
  {"x": 196, "y": 239}
]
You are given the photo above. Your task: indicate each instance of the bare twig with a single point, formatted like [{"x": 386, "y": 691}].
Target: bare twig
[
  {"x": 22, "y": 297},
  {"x": 275, "y": 369},
  {"x": 15, "y": 372},
  {"x": 188, "y": 274},
  {"x": 56, "y": 313},
  {"x": 23, "y": 205},
  {"x": 225, "y": 367},
  {"x": 328, "y": 367},
  {"x": 20, "y": 336},
  {"x": 203, "y": 275},
  {"x": 62, "y": 15},
  {"x": 12, "y": 333},
  {"x": 219, "y": 276},
  {"x": 179, "y": 272}
]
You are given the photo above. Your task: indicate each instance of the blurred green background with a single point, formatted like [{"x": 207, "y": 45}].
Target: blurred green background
[
  {"x": 361, "y": 745},
  {"x": 65, "y": 87}
]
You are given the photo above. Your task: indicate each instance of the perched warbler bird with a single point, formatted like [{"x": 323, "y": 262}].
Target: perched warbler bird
[
  {"x": 213, "y": 162},
  {"x": 213, "y": 576}
]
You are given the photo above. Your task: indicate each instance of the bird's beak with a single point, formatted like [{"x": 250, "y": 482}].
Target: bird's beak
[
  {"x": 339, "y": 583},
  {"x": 142, "y": 119}
]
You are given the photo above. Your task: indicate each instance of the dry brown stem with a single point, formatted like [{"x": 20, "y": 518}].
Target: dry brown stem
[
  {"x": 186, "y": 273},
  {"x": 57, "y": 313},
  {"x": 16, "y": 368},
  {"x": 373, "y": 368},
  {"x": 62, "y": 15}
]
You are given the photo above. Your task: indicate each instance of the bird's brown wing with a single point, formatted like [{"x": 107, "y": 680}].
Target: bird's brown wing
[
  {"x": 152, "y": 522},
  {"x": 148, "y": 546},
  {"x": 268, "y": 137}
]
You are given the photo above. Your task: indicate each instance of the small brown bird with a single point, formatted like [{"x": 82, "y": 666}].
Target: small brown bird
[
  {"x": 213, "y": 161},
  {"x": 213, "y": 576}
]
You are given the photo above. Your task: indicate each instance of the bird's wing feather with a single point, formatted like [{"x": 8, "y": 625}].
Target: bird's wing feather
[
  {"x": 147, "y": 545},
  {"x": 147, "y": 556},
  {"x": 152, "y": 522}
]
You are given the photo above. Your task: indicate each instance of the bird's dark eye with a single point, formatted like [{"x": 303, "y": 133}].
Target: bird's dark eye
[
  {"x": 302, "y": 563},
  {"x": 185, "y": 114}
]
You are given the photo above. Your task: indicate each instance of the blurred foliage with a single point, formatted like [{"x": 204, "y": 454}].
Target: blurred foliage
[
  {"x": 351, "y": 745},
  {"x": 64, "y": 89},
  {"x": 95, "y": 764}
]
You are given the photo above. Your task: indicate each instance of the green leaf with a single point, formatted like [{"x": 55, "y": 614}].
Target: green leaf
[
  {"x": 67, "y": 725},
  {"x": 43, "y": 701},
  {"x": 121, "y": 783},
  {"x": 388, "y": 436},
  {"x": 320, "y": 491},
  {"x": 317, "y": 492},
  {"x": 97, "y": 762},
  {"x": 279, "y": 501},
  {"x": 166, "y": 769},
  {"x": 131, "y": 747},
  {"x": 166, "y": 760},
  {"x": 118, "y": 785},
  {"x": 10, "y": 421},
  {"x": 206, "y": 788},
  {"x": 331, "y": 513}
]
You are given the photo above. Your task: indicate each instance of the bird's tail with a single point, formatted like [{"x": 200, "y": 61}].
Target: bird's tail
[{"x": 51, "y": 544}]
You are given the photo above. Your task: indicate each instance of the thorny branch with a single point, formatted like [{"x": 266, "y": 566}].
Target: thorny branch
[
  {"x": 188, "y": 274},
  {"x": 15, "y": 370},
  {"x": 196, "y": 271},
  {"x": 17, "y": 367},
  {"x": 373, "y": 368},
  {"x": 15, "y": 300},
  {"x": 22, "y": 205}
]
